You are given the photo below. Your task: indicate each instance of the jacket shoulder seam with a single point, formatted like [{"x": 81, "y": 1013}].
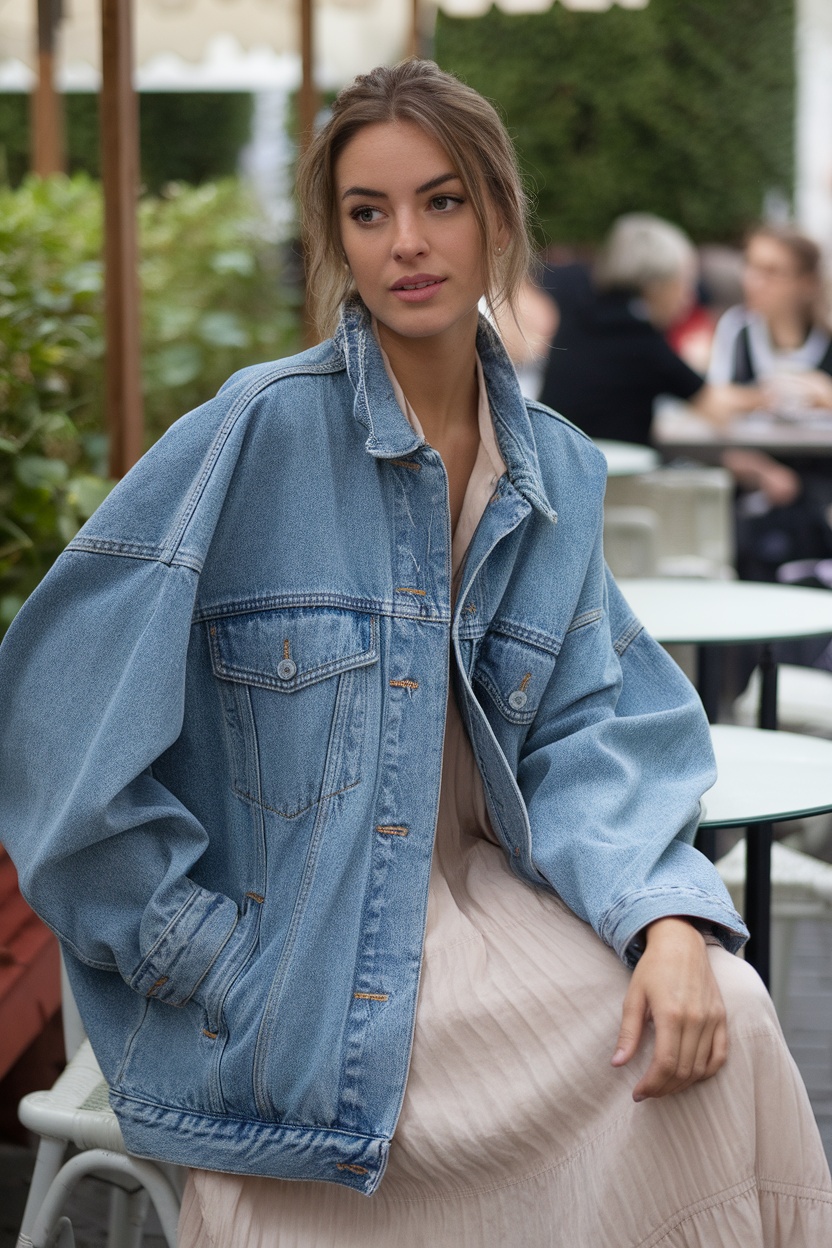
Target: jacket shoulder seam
[
  {"x": 131, "y": 550},
  {"x": 237, "y": 410}
]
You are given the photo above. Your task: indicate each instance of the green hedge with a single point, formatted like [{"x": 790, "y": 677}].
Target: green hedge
[
  {"x": 213, "y": 301},
  {"x": 191, "y": 136},
  {"x": 684, "y": 108}
]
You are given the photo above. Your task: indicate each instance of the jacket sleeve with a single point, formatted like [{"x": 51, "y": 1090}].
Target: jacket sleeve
[
  {"x": 612, "y": 773},
  {"x": 92, "y": 692},
  {"x": 92, "y": 679}
]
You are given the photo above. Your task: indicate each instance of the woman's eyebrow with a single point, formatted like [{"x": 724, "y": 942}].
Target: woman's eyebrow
[{"x": 366, "y": 193}]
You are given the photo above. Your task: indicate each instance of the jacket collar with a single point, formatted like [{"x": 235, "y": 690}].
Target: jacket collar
[{"x": 389, "y": 433}]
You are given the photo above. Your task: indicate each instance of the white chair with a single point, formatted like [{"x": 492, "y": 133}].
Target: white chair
[
  {"x": 76, "y": 1111},
  {"x": 694, "y": 511},
  {"x": 801, "y": 888},
  {"x": 631, "y": 541}
]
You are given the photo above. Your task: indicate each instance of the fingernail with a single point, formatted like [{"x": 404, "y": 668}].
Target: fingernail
[
  {"x": 617, "y": 1056},
  {"x": 638, "y": 1098}
]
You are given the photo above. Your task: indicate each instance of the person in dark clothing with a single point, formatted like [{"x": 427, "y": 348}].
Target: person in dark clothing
[{"x": 609, "y": 360}]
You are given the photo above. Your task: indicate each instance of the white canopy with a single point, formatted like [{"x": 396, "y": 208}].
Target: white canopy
[
  {"x": 210, "y": 44},
  {"x": 234, "y": 44},
  {"x": 476, "y": 8}
]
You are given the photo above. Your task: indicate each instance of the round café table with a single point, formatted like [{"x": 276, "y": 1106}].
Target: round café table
[
  {"x": 721, "y": 613},
  {"x": 679, "y": 430},
  {"x": 627, "y": 459},
  {"x": 710, "y": 614},
  {"x": 764, "y": 778}
]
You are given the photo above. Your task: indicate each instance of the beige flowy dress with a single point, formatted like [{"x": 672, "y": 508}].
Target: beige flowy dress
[{"x": 516, "y": 1132}]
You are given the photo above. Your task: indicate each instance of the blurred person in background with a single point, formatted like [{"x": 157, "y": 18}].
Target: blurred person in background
[
  {"x": 778, "y": 343},
  {"x": 609, "y": 359}
]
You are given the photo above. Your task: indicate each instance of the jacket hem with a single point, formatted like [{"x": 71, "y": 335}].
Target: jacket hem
[{"x": 241, "y": 1146}]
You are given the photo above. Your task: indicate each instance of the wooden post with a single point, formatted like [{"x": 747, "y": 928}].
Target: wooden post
[
  {"x": 414, "y": 46},
  {"x": 48, "y": 155},
  {"x": 308, "y": 104},
  {"x": 120, "y": 175}
]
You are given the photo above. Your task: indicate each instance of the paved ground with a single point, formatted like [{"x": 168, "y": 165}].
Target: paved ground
[{"x": 807, "y": 1025}]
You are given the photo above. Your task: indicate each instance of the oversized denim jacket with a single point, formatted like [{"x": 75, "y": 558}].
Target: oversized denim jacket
[{"x": 222, "y": 724}]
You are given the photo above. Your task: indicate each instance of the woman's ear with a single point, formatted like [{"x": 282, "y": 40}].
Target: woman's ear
[{"x": 502, "y": 238}]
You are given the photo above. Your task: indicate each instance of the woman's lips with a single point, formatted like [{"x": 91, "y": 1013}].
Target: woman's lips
[{"x": 418, "y": 289}]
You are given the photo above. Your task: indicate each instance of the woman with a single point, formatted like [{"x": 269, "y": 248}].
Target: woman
[
  {"x": 779, "y": 336},
  {"x": 233, "y": 826},
  {"x": 778, "y": 341},
  {"x": 609, "y": 360}
]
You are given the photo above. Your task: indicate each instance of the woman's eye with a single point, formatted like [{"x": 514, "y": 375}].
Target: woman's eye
[
  {"x": 443, "y": 202},
  {"x": 365, "y": 216}
]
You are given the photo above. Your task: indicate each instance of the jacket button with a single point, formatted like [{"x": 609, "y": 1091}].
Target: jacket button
[
  {"x": 517, "y": 700},
  {"x": 286, "y": 669}
]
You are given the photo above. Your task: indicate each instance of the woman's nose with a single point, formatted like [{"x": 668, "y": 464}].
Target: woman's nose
[{"x": 409, "y": 241}]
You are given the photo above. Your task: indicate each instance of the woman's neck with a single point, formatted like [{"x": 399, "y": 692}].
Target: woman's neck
[
  {"x": 438, "y": 376},
  {"x": 788, "y": 330}
]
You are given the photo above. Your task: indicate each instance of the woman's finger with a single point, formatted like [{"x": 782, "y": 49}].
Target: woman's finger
[{"x": 633, "y": 1017}]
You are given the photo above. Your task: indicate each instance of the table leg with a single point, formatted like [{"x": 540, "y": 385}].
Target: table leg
[
  {"x": 706, "y": 842},
  {"x": 758, "y": 898},
  {"x": 767, "y": 715},
  {"x": 709, "y": 679},
  {"x": 709, "y": 684}
]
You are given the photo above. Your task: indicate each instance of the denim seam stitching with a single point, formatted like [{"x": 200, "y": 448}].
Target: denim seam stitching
[
  {"x": 628, "y": 636},
  {"x": 237, "y": 411},
  {"x": 546, "y": 642},
  {"x": 277, "y": 602}
]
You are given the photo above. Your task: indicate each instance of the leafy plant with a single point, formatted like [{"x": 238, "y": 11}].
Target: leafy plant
[
  {"x": 51, "y": 447},
  {"x": 213, "y": 301},
  {"x": 213, "y": 296}
]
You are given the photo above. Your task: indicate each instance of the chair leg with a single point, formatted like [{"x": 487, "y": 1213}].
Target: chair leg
[
  {"x": 47, "y": 1165},
  {"x": 64, "y": 1236},
  {"x": 128, "y": 1211},
  {"x": 98, "y": 1161}
]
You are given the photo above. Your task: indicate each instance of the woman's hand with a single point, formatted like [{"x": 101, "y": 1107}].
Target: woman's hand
[
  {"x": 755, "y": 470},
  {"x": 722, "y": 404},
  {"x": 673, "y": 985}
]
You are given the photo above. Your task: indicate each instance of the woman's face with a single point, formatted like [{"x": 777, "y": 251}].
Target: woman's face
[
  {"x": 668, "y": 301},
  {"x": 409, "y": 232},
  {"x": 772, "y": 282}
]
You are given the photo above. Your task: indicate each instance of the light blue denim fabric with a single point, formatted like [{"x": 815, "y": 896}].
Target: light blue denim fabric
[{"x": 222, "y": 722}]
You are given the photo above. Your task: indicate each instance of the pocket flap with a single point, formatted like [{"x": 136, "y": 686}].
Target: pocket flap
[
  {"x": 288, "y": 649},
  {"x": 515, "y": 674}
]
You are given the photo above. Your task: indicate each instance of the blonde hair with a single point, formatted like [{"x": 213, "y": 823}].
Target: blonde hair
[
  {"x": 472, "y": 134},
  {"x": 641, "y": 249}
]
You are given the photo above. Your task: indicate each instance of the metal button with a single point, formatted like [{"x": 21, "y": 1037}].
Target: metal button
[
  {"x": 517, "y": 700},
  {"x": 286, "y": 669}
]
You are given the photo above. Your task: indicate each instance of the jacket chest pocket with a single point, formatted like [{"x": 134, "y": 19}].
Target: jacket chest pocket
[
  {"x": 514, "y": 674},
  {"x": 294, "y": 685}
]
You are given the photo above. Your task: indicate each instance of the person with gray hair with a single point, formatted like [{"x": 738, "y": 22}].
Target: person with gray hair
[{"x": 609, "y": 359}]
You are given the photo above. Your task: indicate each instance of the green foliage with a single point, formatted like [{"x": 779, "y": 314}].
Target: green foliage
[
  {"x": 213, "y": 300},
  {"x": 684, "y": 108},
  {"x": 212, "y": 303},
  {"x": 50, "y": 368},
  {"x": 191, "y": 136}
]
